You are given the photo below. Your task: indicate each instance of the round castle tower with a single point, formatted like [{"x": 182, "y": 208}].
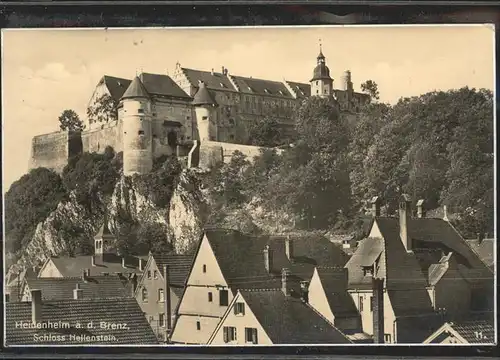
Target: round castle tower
[
  {"x": 321, "y": 83},
  {"x": 205, "y": 108},
  {"x": 137, "y": 129}
]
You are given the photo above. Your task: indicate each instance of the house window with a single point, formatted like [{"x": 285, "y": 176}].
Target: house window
[
  {"x": 361, "y": 303},
  {"x": 141, "y": 111},
  {"x": 198, "y": 325},
  {"x": 317, "y": 91},
  {"x": 204, "y": 117},
  {"x": 371, "y": 303},
  {"x": 229, "y": 334},
  {"x": 161, "y": 295},
  {"x": 204, "y": 268},
  {"x": 251, "y": 335},
  {"x": 387, "y": 338},
  {"x": 368, "y": 270},
  {"x": 161, "y": 320},
  {"x": 149, "y": 274},
  {"x": 223, "y": 298},
  {"x": 239, "y": 309},
  {"x": 155, "y": 274},
  {"x": 141, "y": 132},
  {"x": 144, "y": 295},
  {"x": 210, "y": 297}
]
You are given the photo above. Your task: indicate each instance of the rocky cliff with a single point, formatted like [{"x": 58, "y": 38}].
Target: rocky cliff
[{"x": 183, "y": 217}]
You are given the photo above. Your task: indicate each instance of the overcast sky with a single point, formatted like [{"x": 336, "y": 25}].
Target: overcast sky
[{"x": 47, "y": 71}]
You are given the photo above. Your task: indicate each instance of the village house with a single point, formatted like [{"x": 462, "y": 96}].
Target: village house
[
  {"x": 100, "y": 286},
  {"x": 14, "y": 283},
  {"x": 328, "y": 295},
  {"x": 273, "y": 317},
  {"x": 412, "y": 273},
  {"x": 105, "y": 261},
  {"x": 159, "y": 289},
  {"x": 41, "y": 322},
  {"x": 227, "y": 261},
  {"x": 470, "y": 332}
]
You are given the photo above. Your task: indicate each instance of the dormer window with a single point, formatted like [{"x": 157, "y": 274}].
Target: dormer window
[
  {"x": 266, "y": 91},
  {"x": 368, "y": 270},
  {"x": 222, "y": 85}
]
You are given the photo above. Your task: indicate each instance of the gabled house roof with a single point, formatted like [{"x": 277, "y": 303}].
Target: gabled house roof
[
  {"x": 112, "y": 311},
  {"x": 241, "y": 258},
  {"x": 301, "y": 90},
  {"x": 472, "y": 331},
  {"x": 287, "y": 320},
  {"x": 111, "y": 264},
  {"x": 116, "y": 86},
  {"x": 93, "y": 287},
  {"x": 334, "y": 282},
  {"x": 485, "y": 249}
]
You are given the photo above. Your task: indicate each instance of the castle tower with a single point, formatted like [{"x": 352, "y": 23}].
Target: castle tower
[
  {"x": 137, "y": 129},
  {"x": 205, "y": 108},
  {"x": 348, "y": 88},
  {"x": 321, "y": 83}
]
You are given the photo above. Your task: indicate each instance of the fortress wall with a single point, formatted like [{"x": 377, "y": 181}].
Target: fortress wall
[
  {"x": 174, "y": 111},
  {"x": 50, "y": 150},
  {"x": 96, "y": 140}
]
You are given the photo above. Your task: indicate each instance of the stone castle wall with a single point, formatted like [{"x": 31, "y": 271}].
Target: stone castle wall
[
  {"x": 96, "y": 140},
  {"x": 53, "y": 150}
]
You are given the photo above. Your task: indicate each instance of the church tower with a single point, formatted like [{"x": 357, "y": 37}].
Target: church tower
[
  {"x": 321, "y": 83},
  {"x": 137, "y": 129},
  {"x": 104, "y": 242},
  {"x": 205, "y": 108}
]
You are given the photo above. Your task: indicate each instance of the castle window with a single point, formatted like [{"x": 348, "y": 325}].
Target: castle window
[
  {"x": 161, "y": 295},
  {"x": 317, "y": 82},
  {"x": 210, "y": 297},
  {"x": 141, "y": 132},
  {"x": 141, "y": 111},
  {"x": 204, "y": 117},
  {"x": 317, "y": 91},
  {"x": 231, "y": 137},
  {"x": 188, "y": 117},
  {"x": 198, "y": 325}
]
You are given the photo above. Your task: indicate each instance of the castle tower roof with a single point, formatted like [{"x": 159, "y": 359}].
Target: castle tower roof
[
  {"x": 136, "y": 89},
  {"x": 321, "y": 71},
  {"x": 203, "y": 96}
]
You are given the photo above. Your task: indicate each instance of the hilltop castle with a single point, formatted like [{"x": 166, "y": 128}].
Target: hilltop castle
[{"x": 194, "y": 113}]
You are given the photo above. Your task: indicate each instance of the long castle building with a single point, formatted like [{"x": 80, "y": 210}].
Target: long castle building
[{"x": 201, "y": 114}]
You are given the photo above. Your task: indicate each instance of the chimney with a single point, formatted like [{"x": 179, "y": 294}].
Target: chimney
[
  {"x": 133, "y": 280},
  {"x": 123, "y": 263},
  {"x": 93, "y": 260},
  {"x": 289, "y": 248},
  {"x": 223, "y": 71},
  {"x": 378, "y": 310},
  {"x": 166, "y": 297},
  {"x": 445, "y": 213},
  {"x": 77, "y": 292},
  {"x": 36, "y": 306},
  {"x": 212, "y": 72},
  {"x": 285, "y": 285},
  {"x": 141, "y": 265},
  {"x": 304, "y": 291},
  {"x": 480, "y": 237},
  {"x": 268, "y": 259},
  {"x": 404, "y": 220},
  {"x": 84, "y": 275},
  {"x": 420, "y": 208},
  {"x": 375, "y": 206}
]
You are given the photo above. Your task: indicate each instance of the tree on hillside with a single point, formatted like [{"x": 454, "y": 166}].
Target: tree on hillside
[
  {"x": 69, "y": 120},
  {"x": 28, "y": 201},
  {"x": 154, "y": 237},
  {"x": 370, "y": 87},
  {"x": 104, "y": 109}
]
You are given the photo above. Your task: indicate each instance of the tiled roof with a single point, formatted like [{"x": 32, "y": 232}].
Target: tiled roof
[
  {"x": 136, "y": 90},
  {"x": 212, "y": 80},
  {"x": 203, "y": 96},
  {"x": 116, "y": 86},
  {"x": 73, "y": 266},
  {"x": 261, "y": 87},
  {"x": 334, "y": 282},
  {"x": 162, "y": 85},
  {"x": 112, "y": 311},
  {"x": 484, "y": 249},
  {"x": 93, "y": 288},
  {"x": 241, "y": 257},
  {"x": 179, "y": 266},
  {"x": 301, "y": 90},
  {"x": 287, "y": 320},
  {"x": 476, "y": 331}
]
